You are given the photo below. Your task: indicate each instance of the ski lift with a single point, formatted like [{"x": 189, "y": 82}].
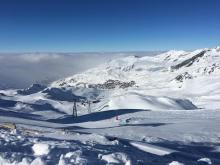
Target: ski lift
[{"x": 74, "y": 110}]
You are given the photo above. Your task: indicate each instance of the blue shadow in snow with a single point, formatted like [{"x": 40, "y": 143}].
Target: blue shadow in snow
[
  {"x": 96, "y": 116},
  {"x": 36, "y": 107},
  {"x": 19, "y": 115},
  {"x": 7, "y": 103}
]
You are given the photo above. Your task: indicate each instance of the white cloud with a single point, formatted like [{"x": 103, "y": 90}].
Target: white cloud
[
  {"x": 22, "y": 70},
  {"x": 34, "y": 58}
]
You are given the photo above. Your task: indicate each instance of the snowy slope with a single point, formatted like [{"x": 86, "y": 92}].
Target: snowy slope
[
  {"x": 144, "y": 70},
  {"x": 173, "y": 73},
  {"x": 138, "y": 101}
]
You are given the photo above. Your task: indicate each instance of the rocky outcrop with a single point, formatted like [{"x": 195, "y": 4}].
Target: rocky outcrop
[
  {"x": 210, "y": 69},
  {"x": 189, "y": 61},
  {"x": 32, "y": 89},
  {"x": 62, "y": 94},
  {"x": 183, "y": 76},
  {"x": 111, "y": 84}
]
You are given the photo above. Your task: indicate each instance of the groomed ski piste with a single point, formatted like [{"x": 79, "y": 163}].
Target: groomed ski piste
[{"x": 151, "y": 110}]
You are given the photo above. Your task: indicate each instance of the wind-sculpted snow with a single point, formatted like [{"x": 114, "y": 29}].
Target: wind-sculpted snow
[{"x": 137, "y": 101}]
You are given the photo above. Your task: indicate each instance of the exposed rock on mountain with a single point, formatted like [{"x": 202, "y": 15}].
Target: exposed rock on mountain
[
  {"x": 32, "y": 89},
  {"x": 190, "y": 61},
  {"x": 111, "y": 84},
  {"x": 183, "y": 76}
]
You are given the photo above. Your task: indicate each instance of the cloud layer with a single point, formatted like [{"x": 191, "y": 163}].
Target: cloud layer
[{"x": 22, "y": 70}]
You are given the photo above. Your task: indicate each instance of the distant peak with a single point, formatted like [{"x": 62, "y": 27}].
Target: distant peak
[
  {"x": 217, "y": 48},
  {"x": 175, "y": 51}
]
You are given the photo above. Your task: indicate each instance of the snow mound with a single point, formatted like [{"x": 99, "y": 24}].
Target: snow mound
[
  {"x": 116, "y": 158},
  {"x": 175, "y": 163},
  {"x": 41, "y": 149},
  {"x": 205, "y": 160},
  {"x": 138, "y": 101},
  {"x": 72, "y": 158},
  {"x": 152, "y": 149},
  {"x": 38, "y": 161}
]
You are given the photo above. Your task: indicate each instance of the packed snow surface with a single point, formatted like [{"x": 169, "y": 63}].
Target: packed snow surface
[{"x": 40, "y": 149}]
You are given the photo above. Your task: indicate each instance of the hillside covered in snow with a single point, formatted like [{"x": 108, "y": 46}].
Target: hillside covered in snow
[{"x": 161, "y": 109}]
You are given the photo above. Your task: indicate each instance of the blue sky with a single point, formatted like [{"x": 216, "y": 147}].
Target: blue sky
[{"x": 108, "y": 25}]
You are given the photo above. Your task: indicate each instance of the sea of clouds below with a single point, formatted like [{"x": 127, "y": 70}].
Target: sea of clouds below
[{"x": 22, "y": 70}]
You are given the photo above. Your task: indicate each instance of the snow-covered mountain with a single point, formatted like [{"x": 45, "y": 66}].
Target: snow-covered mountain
[
  {"x": 178, "y": 74},
  {"x": 140, "y": 71}
]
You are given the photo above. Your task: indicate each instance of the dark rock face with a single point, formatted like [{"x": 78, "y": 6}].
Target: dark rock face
[
  {"x": 183, "y": 76},
  {"x": 32, "y": 89},
  {"x": 63, "y": 83},
  {"x": 62, "y": 95},
  {"x": 189, "y": 61},
  {"x": 210, "y": 69},
  {"x": 111, "y": 84}
]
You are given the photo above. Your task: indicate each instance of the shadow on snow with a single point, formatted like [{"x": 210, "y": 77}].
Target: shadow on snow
[{"x": 96, "y": 116}]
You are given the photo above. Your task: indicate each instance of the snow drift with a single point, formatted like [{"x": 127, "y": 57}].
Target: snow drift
[{"x": 138, "y": 101}]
